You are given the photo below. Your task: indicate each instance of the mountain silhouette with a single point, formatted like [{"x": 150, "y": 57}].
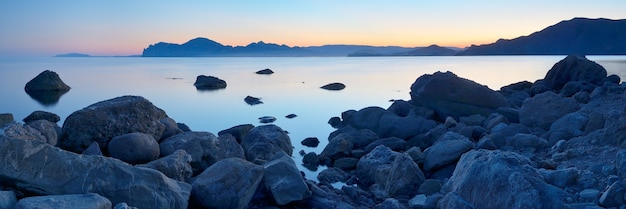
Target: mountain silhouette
[{"x": 580, "y": 36}]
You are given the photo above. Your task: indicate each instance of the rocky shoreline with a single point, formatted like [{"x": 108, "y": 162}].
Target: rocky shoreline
[{"x": 554, "y": 143}]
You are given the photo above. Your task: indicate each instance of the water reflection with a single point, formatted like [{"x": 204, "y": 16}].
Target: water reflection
[{"x": 46, "y": 98}]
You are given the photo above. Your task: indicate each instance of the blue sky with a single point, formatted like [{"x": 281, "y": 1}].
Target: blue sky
[{"x": 123, "y": 27}]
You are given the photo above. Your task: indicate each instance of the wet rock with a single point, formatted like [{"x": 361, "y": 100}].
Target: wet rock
[
  {"x": 267, "y": 119},
  {"x": 39, "y": 168},
  {"x": 544, "y": 109},
  {"x": 239, "y": 131},
  {"x": 574, "y": 68},
  {"x": 368, "y": 165},
  {"x": 6, "y": 118},
  {"x": 134, "y": 148},
  {"x": 283, "y": 180},
  {"x": 175, "y": 165},
  {"x": 265, "y": 72},
  {"x": 46, "y": 81},
  {"x": 310, "y": 142},
  {"x": 42, "y": 115},
  {"x": 229, "y": 183},
  {"x": 450, "y": 95},
  {"x": 209, "y": 83},
  {"x": 252, "y": 100},
  {"x": 102, "y": 121},
  {"x": 263, "y": 142},
  {"x": 446, "y": 150},
  {"x": 334, "y": 86},
  {"x": 405, "y": 177},
  {"x": 90, "y": 200}
]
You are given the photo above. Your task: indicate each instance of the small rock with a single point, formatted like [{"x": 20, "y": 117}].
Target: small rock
[
  {"x": 183, "y": 127},
  {"x": 311, "y": 159},
  {"x": 42, "y": 115},
  {"x": 589, "y": 195},
  {"x": 332, "y": 175},
  {"x": 93, "y": 149},
  {"x": 448, "y": 149},
  {"x": 209, "y": 83},
  {"x": 252, "y": 100},
  {"x": 562, "y": 178},
  {"x": 265, "y": 72},
  {"x": 417, "y": 202},
  {"x": 123, "y": 205},
  {"x": 390, "y": 203},
  {"x": 334, "y": 86},
  {"x": 290, "y": 116},
  {"x": 310, "y": 142},
  {"x": 134, "y": 148},
  {"x": 416, "y": 154},
  {"x": 450, "y": 122},
  {"x": 267, "y": 119}
]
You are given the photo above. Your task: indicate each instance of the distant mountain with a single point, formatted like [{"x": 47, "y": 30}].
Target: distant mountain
[
  {"x": 432, "y": 50},
  {"x": 576, "y": 36},
  {"x": 72, "y": 55}
]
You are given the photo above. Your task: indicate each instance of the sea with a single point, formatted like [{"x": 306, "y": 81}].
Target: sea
[{"x": 294, "y": 88}]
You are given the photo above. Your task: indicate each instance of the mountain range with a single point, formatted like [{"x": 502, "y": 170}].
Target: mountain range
[{"x": 581, "y": 36}]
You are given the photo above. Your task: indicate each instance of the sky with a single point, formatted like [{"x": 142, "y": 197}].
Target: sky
[{"x": 126, "y": 27}]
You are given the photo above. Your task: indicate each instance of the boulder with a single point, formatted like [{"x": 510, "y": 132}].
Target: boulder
[
  {"x": 204, "y": 148},
  {"x": 569, "y": 126},
  {"x": 252, "y": 100},
  {"x": 366, "y": 118},
  {"x": 49, "y": 130},
  {"x": 417, "y": 202},
  {"x": 392, "y": 125},
  {"x": 394, "y": 143},
  {"x": 46, "y": 81},
  {"x": 334, "y": 86},
  {"x": 332, "y": 175},
  {"x": 42, "y": 115},
  {"x": 405, "y": 177},
  {"x": 204, "y": 82},
  {"x": 175, "y": 165},
  {"x": 6, "y": 118},
  {"x": 7, "y": 199},
  {"x": 368, "y": 165},
  {"x": 239, "y": 131},
  {"x": 229, "y": 183},
  {"x": 75, "y": 201},
  {"x": 574, "y": 68},
  {"x": 446, "y": 150},
  {"x": 449, "y": 95},
  {"x": 346, "y": 163},
  {"x": 102, "y": 121},
  {"x": 563, "y": 177},
  {"x": 283, "y": 180},
  {"x": 429, "y": 187},
  {"x": 339, "y": 146},
  {"x": 401, "y": 108},
  {"x": 589, "y": 195},
  {"x": 544, "y": 109},
  {"x": 19, "y": 131},
  {"x": 263, "y": 142},
  {"x": 310, "y": 142},
  {"x": 266, "y": 71},
  {"x": 390, "y": 203},
  {"x": 506, "y": 179},
  {"x": 574, "y": 87},
  {"x": 171, "y": 128},
  {"x": 134, "y": 148},
  {"x": 39, "y": 168}
]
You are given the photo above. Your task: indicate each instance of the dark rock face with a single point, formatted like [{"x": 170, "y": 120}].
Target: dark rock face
[
  {"x": 450, "y": 95},
  {"x": 265, "y": 72},
  {"x": 367, "y": 167},
  {"x": 263, "y": 142},
  {"x": 46, "y": 81},
  {"x": 104, "y": 120},
  {"x": 267, "y": 119},
  {"x": 574, "y": 68},
  {"x": 42, "y": 169},
  {"x": 134, "y": 148},
  {"x": 252, "y": 100},
  {"x": 283, "y": 180},
  {"x": 334, "y": 86},
  {"x": 175, "y": 165},
  {"x": 229, "y": 183},
  {"x": 42, "y": 115},
  {"x": 310, "y": 142},
  {"x": 507, "y": 179},
  {"x": 545, "y": 108},
  {"x": 204, "y": 82},
  {"x": 90, "y": 200}
]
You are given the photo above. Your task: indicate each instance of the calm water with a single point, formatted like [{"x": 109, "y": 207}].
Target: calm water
[{"x": 294, "y": 88}]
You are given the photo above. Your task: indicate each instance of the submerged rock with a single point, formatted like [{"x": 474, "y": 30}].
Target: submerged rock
[
  {"x": 209, "y": 83},
  {"x": 334, "y": 86}
]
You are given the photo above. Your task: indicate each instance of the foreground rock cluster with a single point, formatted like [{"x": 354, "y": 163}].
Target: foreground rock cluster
[{"x": 554, "y": 143}]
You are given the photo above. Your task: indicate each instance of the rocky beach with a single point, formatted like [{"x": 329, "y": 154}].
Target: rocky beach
[{"x": 557, "y": 142}]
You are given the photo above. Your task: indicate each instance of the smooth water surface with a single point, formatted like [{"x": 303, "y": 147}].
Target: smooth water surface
[{"x": 294, "y": 88}]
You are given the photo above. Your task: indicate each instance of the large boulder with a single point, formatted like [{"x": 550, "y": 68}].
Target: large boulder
[
  {"x": 449, "y": 95},
  {"x": 175, "y": 165},
  {"x": 134, "y": 148},
  {"x": 46, "y": 81},
  {"x": 544, "y": 109},
  {"x": 69, "y": 201},
  {"x": 102, "y": 121},
  {"x": 263, "y": 142},
  {"x": 283, "y": 180},
  {"x": 574, "y": 68},
  {"x": 204, "y": 82},
  {"x": 39, "y": 168},
  {"x": 405, "y": 178},
  {"x": 205, "y": 149},
  {"x": 18, "y": 131},
  {"x": 392, "y": 125},
  {"x": 446, "y": 150},
  {"x": 229, "y": 183},
  {"x": 368, "y": 165},
  {"x": 500, "y": 179}
]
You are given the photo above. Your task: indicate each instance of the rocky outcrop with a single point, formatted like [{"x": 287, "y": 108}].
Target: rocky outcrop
[
  {"x": 449, "y": 95},
  {"x": 46, "y": 81},
  {"x": 102, "y": 121},
  {"x": 39, "y": 168},
  {"x": 263, "y": 142},
  {"x": 204, "y": 82}
]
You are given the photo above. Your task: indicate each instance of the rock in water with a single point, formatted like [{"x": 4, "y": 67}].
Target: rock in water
[
  {"x": 252, "y": 100},
  {"x": 283, "y": 180},
  {"x": 267, "y": 119},
  {"x": 39, "y": 168},
  {"x": 334, "y": 86},
  {"x": 574, "y": 68},
  {"x": 204, "y": 82},
  {"x": 263, "y": 142},
  {"x": 91, "y": 201},
  {"x": 46, "y": 81},
  {"x": 104, "y": 120},
  {"x": 229, "y": 183},
  {"x": 42, "y": 115},
  {"x": 450, "y": 95},
  {"x": 265, "y": 72}
]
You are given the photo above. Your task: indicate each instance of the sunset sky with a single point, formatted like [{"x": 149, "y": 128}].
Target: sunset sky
[{"x": 123, "y": 27}]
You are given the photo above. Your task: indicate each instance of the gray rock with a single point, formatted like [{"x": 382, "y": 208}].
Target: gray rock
[
  {"x": 417, "y": 202},
  {"x": 239, "y": 131},
  {"x": 453, "y": 200},
  {"x": 93, "y": 149},
  {"x": 46, "y": 81},
  {"x": 521, "y": 141},
  {"x": 613, "y": 196},
  {"x": 175, "y": 165},
  {"x": 123, "y": 205},
  {"x": 448, "y": 149},
  {"x": 19, "y": 131},
  {"x": 104, "y": 120},
  {"x": 589, "y": 195},
  {"x": 267, "y": 119},
  {"x": 282, "y": 179},
  {"x": 429, "y": 187},
  {"x": 42, "y": 115},
  {"x": 49, "y": 130},
  {"x": 346, "y": 163},
  {"x": 266, "y": 71},
  {"x": 390, "y": 203},
  {"x": 39, "y": 168},
  {"x": 401, "y": 108},
  {"x": 134, "y": 148},
  {"x": 250, "y": 100},
  {"x": 263, "y": 142},
  {"x": 229, "y": 183},
  {"x": 508, "y": 176},
  {"x": 339, "y": 146},
  {"x": 334, "y": 86},
  {"x": 171, "y": 128},
  {"x": 394, "y": 143},
  {"x": 7, "y": 199},
  {"x": 6, "y": 118},
  {"x": 311, "y": 159},
  {"x": 204, "y": 148},
  {"x": 416, "y": 154},
  {"x": 204, "y": 82},
  {"x": 450, "y": 95},
  {"x": 574, "y": 68},
  {"x": 310, "y": 142},
  {"x": 73, "y": 201},
  {"x": 332, "y": 175},
  {"x": 405, "y": 177},
  {"x": 562, "y": 178},
  {"x": 544, "y": 109},
  {"x": 368, "y": 164},
  {"x": 366, "y": 118},
  {"x": 392, "y": 125}
]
